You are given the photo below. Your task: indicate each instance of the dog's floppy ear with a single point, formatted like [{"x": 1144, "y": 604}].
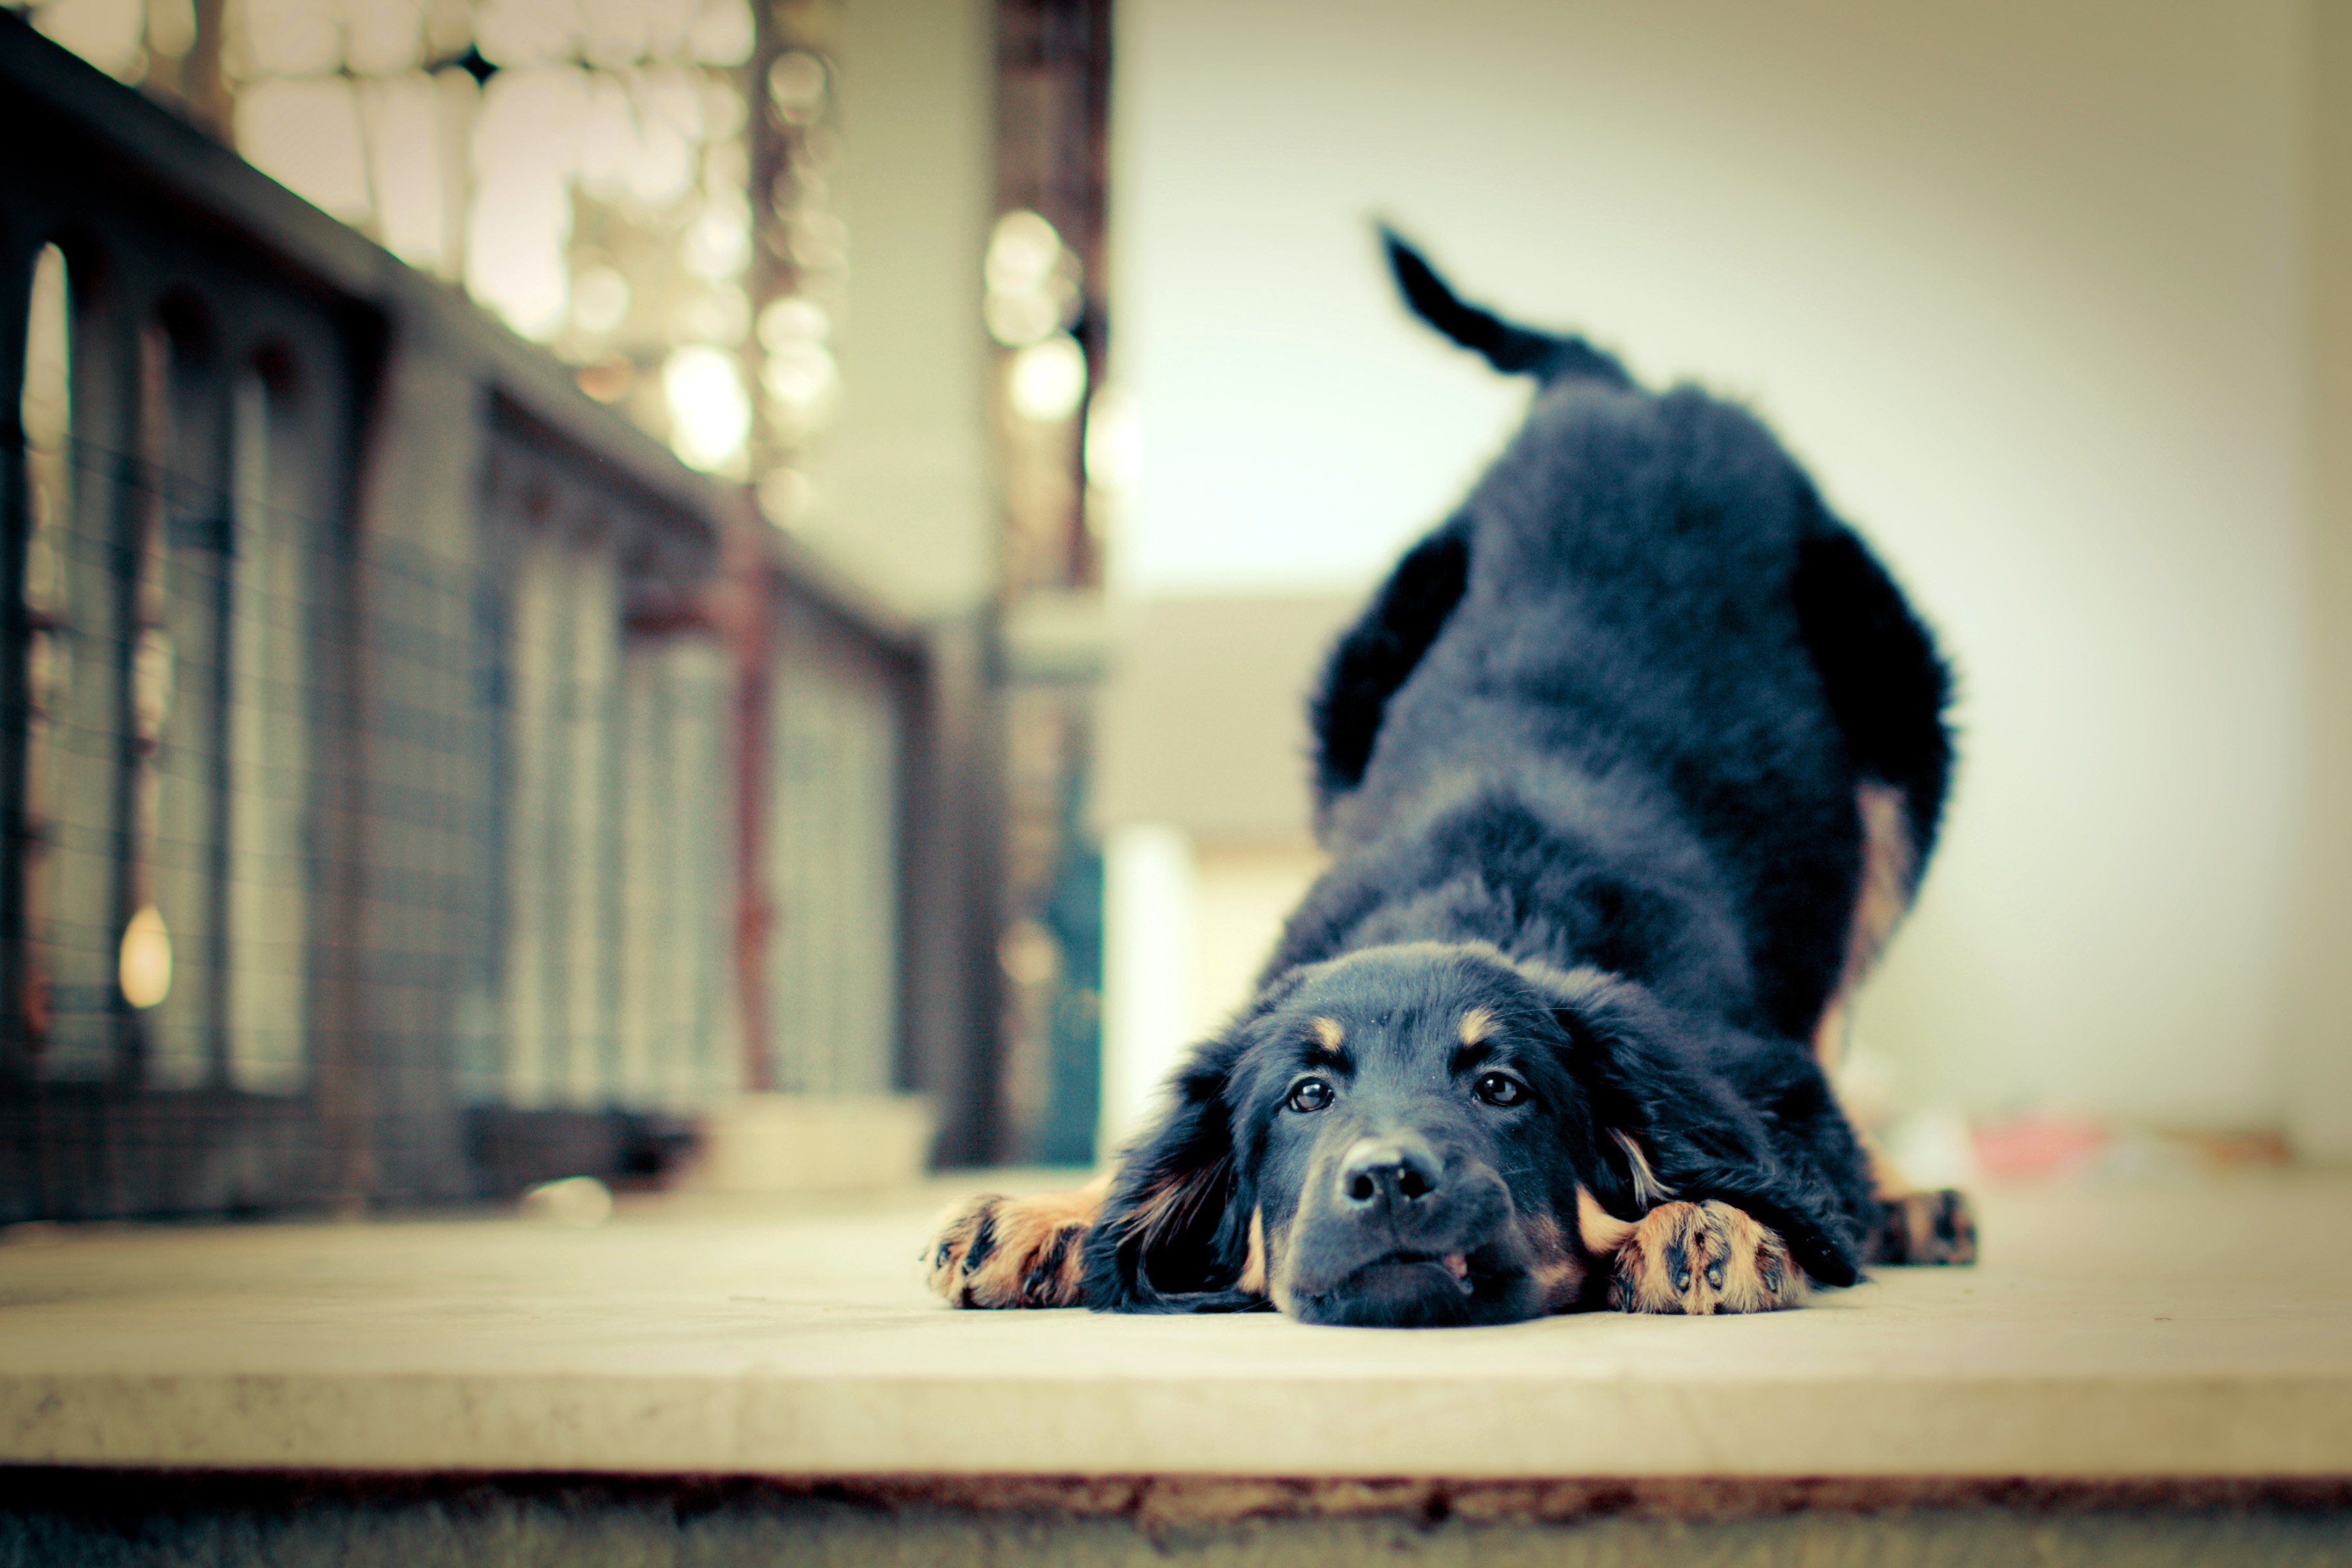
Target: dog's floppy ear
[
  {"x": 1511, "y": 349},
  {"x": 1672, "y": 1130},
  {"x": 1174, "y": 1237}
]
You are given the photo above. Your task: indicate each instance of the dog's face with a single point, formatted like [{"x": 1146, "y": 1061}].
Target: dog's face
[
  {"x": 1429, "y": 1134},
  {"x": 1408, "y": 1123}
]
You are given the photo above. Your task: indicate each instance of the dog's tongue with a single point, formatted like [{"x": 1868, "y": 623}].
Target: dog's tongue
[{"x": 1459, "y": 1264}]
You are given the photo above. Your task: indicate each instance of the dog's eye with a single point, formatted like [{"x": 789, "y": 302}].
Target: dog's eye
[
  {"x": 1499, "y": 1089},
  {"x": 1309, "y": 1094}
]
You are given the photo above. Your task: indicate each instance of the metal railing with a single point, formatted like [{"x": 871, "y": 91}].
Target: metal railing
[{"x": 413, "y": 782}]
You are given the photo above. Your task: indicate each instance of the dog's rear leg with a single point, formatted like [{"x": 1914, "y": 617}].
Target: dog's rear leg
[
  {"x": 1938, "y": 1226},
  {"x": 1912, "y": 1227},
  {"x": 1890, "y": 875},
  {"x": 998, "y": 1251}
]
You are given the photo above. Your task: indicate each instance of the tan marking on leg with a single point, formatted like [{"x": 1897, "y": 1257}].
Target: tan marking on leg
[
  {"x": 1915, "y": 1226},
  {"x": 1887, "y": 1178},
  {"x": 1328, "y": 1030},
  {"x": 1553, "y": 1265},
  {"x": 1602, "y": 1231},
  {"x": 1830, "y": 1034},
  {"x": 1648, "y": 1190},
  {"x": 1702, "y": 1259},
  {"x": 1890, "y": 875},
  {"x": 996, "y": 1251},
  {"x": 1156, "y": 1208},
  {"x": 1253, "y": 1266},
  {"x": 1925, "y": 1227},
  {"x": 953, "y": 1234},
  {"x": 1476, "y": 1025},
  {"x": 1759, "y": 1275}
]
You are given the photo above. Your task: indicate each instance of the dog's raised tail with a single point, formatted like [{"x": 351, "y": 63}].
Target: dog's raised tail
[{"x": 1509, "y": 347}]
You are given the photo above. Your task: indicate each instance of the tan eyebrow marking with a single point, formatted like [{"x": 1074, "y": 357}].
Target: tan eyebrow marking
[
  {"x": 1329, "y": 1031},
  {"x": 1476, "y": 1025}
]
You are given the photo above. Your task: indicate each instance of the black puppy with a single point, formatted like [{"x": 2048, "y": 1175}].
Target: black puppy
[{"x": 1626, "y": 774}]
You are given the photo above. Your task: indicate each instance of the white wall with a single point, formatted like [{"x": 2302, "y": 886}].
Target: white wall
[
  {"x": 2318, "y": 1064},
  {"x": 2022, "y": 283},
  {"x": 1149, "y": 900},
  {"x": 902, "y": 490},
  {"x": 1187, "y": 926}
]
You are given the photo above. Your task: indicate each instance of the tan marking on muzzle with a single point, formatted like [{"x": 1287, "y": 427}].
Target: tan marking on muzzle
[
  {"x": 1556, "y": 1270},
  {"x": 1280, "y": 1284},
  {"x": 1253, "y": 1267}
]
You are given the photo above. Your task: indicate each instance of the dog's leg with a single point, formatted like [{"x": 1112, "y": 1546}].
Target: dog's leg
[
  {"x": 997, "y": 1251},
  {"x": 1914, "y": 1227},
  {"x": 1702, "y": 1258},
  {"x": 1890, "y": 875},
  {"x": 1924, "y": 1228}
]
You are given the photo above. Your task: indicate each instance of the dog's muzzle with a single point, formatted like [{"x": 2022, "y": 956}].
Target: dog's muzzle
[
  {"x": 1395, "y": 1240},
  {"x": 1397, "y": 1177}
]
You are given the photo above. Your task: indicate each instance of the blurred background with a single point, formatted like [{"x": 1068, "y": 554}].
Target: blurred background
[{"x": 720, "y": 590}]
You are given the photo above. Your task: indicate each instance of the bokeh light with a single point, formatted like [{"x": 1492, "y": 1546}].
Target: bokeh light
[
  {"x": 1033, "y": 281},
  {"x": 1049, "y": 380},
  {"x": 1114, "y": 450},
  {"x": 710, "y": 415},
  {"x": 583, "y": 167},
  {"x": 796, "y": 83},
  {"x": 145, "y": 967}
]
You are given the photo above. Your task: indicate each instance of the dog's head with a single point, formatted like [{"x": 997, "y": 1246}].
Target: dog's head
[
  {"x": 1431, "y": 1134},
  {"x": 1415, "y": 1140}
]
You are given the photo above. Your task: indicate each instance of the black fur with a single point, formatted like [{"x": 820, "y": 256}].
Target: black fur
[
  {"x": 1514, "y": 350},
  {"x": 1590, "y": 761},
  {"x": 1375, "y": 656}
]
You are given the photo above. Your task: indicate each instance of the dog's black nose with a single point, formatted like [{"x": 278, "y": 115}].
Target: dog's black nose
[{"x": 1400, "y": 1167}]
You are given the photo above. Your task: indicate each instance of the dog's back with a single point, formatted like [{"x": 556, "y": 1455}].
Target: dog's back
[{"x": 1629, "y": 708}]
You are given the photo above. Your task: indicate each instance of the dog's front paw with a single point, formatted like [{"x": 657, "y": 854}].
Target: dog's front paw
[
  {"x": 993, "y": 1251},
  {"x": 1702, "y": 1257},
  {"x": 1925, "y": 1227}
]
